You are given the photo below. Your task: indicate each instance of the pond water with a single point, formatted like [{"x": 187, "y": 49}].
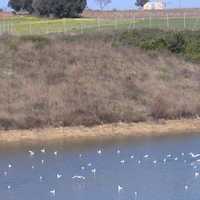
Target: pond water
[{"x": 165, "y": 168}]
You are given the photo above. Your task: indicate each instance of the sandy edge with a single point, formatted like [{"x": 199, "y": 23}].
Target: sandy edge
[{"x": 102, "y": 132}]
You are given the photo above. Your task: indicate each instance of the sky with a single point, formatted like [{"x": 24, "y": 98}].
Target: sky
[{"x": 129, "y": 4}]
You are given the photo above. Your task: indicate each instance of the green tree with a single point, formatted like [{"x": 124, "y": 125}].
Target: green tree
[
  {"x": 141, "y": 3},
  {"x": 18, "y": 5},
  {"x": 59, "y": 8}
]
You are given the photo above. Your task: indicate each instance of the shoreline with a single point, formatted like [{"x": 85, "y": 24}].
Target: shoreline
[{"x": 102, "y": 132}]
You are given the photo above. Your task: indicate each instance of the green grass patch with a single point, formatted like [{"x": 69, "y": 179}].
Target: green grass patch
[
  {"x": 186, "y": 43},
  {"x": 23, "y": 25}
]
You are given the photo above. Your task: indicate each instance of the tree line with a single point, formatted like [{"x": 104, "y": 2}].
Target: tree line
[
  {"x": 55, "y": 8},
  {"x": 59, "y": 8}
]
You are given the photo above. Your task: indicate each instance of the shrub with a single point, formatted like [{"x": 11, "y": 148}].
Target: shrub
[
  {"x": 154, "y": 44},
  {"x": 192, "y": 50},
  {"x": 186, "y": 43},
  {"x": 176, "y": 43}
]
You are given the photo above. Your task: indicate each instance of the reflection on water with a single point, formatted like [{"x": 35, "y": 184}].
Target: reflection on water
[{"x": 150, "y": 168}]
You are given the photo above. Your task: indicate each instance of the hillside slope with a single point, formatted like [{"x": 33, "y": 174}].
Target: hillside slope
[{"x": 69, "y": 81}]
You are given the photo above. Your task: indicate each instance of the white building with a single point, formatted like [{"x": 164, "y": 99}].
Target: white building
[{"x": 156, "y": 5}]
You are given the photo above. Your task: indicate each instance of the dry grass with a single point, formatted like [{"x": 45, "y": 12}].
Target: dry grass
[
  {"x": 5, "y": 14},
  {"x": 62, "y": 81},
  {"x": 174, "y": 13}
]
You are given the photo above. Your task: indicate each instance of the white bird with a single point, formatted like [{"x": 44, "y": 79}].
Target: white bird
[
  {"x": 99, "y": 152},
  {"x": 94, "y": 171},
  {"x": 122, "y": 161},
  {"x": 139, "y": 161},
  {"x": 169, "y": 156},
  {"x": 146, "y": 156},
  {"x": 176, "y": 158},
  {"x": 196, "y": 174},
  {"x": 119, "y": 188},
  {"x": 31, "y": 153},
  {"x": 42, "y": 150},
  {"x": 194, "y": 155},
  {"x": 182, "y": 154},
  {"x": 82, "y": 168},
  {"x": 9, "y": 166},
  {"x": 89, "y": 164},
  {"x": 155, "y": 162},
  {"x": 132, "y": 156},
  {"x": 5, "y": 173},
  {"x": 42, "y": 161},
  {"x": 164, "y": 160},
  {"x": 33, "y": 167},
  {"x": 118, "y": 151},
  {"x": 9, "y": 187},
  {"x": 59, "y": 176},
  {"x": 79, "y": 177},
  {"x": 41, "y": 178},
  {"x": 55, "y": 153},
  {"x": 186, "y": 187},
  {"x": 53, "y": 192}
]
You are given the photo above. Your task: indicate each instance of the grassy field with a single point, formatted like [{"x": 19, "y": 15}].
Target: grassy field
[
  {"x": 33, "y": 25},
  {"x": 23, "y": 25}
]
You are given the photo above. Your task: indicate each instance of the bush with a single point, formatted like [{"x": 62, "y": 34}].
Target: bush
[
  {"x": 176, "y": 43},
  {"x": 154, "y": 44},
  {"x": 192, "y": 50},
  {"x": 186, "y": 43}
]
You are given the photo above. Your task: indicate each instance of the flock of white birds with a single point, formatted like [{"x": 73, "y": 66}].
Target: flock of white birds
[{"x": 194, "y": 162}]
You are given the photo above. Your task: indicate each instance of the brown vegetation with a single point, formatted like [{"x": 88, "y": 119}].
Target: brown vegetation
[
  {"x": 141, "y": 13},
  {"x": 5, "y": 14},
  {"x": 85, "y": 80}
]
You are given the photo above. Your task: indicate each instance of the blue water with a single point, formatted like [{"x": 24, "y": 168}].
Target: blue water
[{"x": 118, "y": 164}]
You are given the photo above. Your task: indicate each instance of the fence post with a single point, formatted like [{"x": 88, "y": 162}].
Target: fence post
[
  {"x": 184, "y": 20},
  {"x": 10, "y": 28},
  {"x": 47, "y": 29},
  {"x": 64, "y": 25},
  {"x": 99, "y": 25},
  {"x": 134, "y": 22},
  {"x": 30, "y": 29},
  {"x": 167, "y": 21},
  {"x": 150, "y": 21},
  {"x": 116, "y": 24},
  {"x": 81, "y": 28}
]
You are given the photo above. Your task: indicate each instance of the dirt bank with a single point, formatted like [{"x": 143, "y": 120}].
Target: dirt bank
[{"x": 103, "y": 132}]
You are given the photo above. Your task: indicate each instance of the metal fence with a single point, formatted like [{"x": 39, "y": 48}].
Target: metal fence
[{"x": 47, "y": 27}]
